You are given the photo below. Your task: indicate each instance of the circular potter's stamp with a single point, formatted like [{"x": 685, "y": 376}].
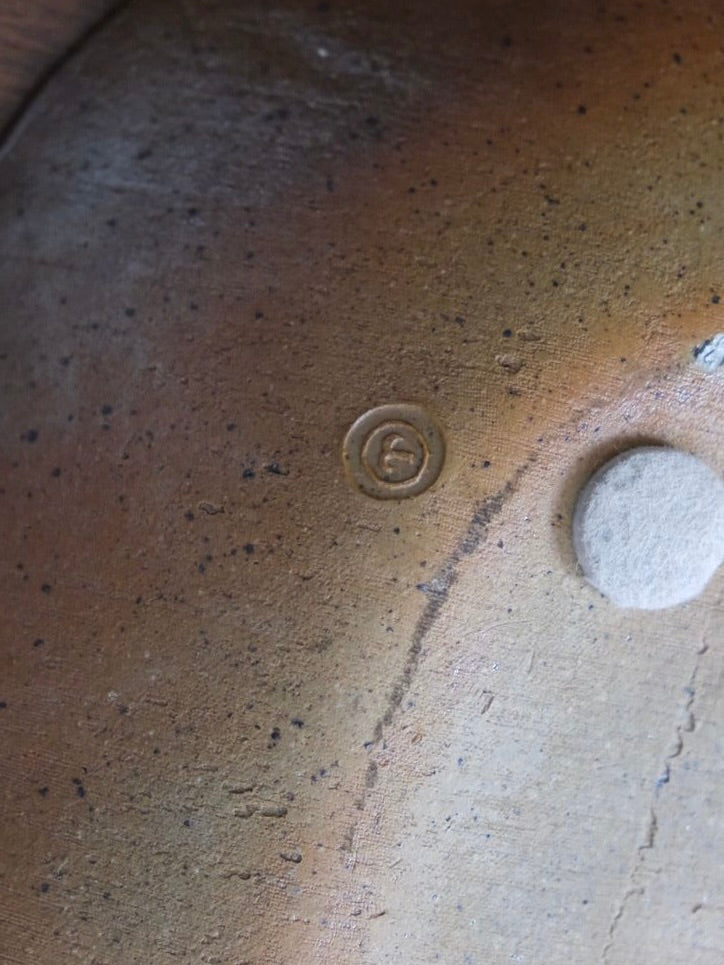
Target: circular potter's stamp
[{"x": 394, "y": 451}]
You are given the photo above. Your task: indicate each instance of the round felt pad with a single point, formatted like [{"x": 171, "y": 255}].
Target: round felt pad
[{"x": 648, "y": 528}]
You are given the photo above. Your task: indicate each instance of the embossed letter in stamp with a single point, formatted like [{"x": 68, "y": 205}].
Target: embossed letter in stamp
[{"x": 394, "y": 451}]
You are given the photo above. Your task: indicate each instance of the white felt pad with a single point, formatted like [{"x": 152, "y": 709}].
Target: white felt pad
[{"x": 648, "y": 528}]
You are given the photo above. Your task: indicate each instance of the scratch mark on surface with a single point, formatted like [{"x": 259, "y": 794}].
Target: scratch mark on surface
[{"x": 438, "y": 590}]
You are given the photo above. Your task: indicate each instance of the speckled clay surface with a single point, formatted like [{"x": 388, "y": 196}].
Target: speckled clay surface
[{"x": 250, "y": 715}]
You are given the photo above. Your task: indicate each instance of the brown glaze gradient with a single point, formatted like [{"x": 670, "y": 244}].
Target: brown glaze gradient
[{"x": 225, "y": 235}]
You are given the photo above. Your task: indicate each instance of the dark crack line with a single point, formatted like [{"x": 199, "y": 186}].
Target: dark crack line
[
  {"x": 439, "y": 588},
  {"x": 687, "y": 725}
]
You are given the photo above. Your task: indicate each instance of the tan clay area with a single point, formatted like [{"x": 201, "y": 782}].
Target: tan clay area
[{"x": 251, "y": 715}]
